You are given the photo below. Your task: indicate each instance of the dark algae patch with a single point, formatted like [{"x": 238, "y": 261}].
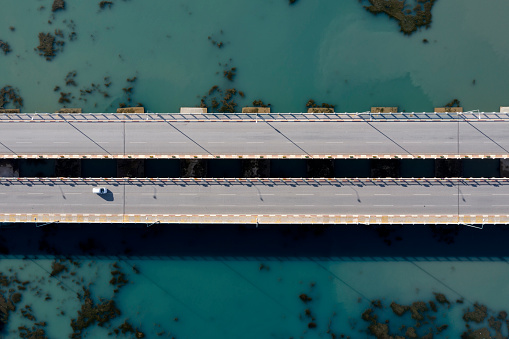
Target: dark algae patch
[
  {"x": 92, "y": 313},
  {"x": 428, "y": 319},
  {"x": 8, "y": 95},
  {"x": 409, "y": 19},
  {"x": 46, "y": 45},
  {"x": 58, "y": 5},
  {"x": 4, "y": 46}
]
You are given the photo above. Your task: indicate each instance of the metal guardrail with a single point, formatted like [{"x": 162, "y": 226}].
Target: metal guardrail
[
  {"x": 258, "y": 181},
  {"x": 249, "y": 117}
]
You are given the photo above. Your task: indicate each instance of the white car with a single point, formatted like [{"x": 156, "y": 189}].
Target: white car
[{"x": 99, "y": 190}]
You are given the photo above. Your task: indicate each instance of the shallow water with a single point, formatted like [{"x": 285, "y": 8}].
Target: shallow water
[
  {"x": 231, "y": 282},
  {"x": 331, "y": 51}
]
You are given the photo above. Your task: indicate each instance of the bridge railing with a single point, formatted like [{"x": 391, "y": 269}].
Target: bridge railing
[
  {"x": 249, "y": 117},
  {"x": 260, "y": 181}
]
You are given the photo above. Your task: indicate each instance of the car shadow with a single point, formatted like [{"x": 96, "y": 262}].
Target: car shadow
[{"x": 108, "y": 196}]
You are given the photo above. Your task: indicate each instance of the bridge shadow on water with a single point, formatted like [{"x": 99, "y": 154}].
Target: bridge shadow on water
[{"x": 242, "y": 242}]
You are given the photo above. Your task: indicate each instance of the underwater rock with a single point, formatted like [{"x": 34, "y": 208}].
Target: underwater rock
[
  {"x": 58, "y": 5},
  {"x": 91, "y": 313},
  {"x": 478, "y": 315},
  {"x": 70, "y": 78},
  {"x": 46, "y": 46},
  {"x": 104, "y": 4},
  {"x": 409, "y": 19},
  {"x": 230, "y": 74},
  {"x": 57, "y": 268},
  {"x": 305, "y": 298},
  {"x": 399, "y": 310},
  {"x": 4, "y": 46},
  {"x": 10, "y": 94}
]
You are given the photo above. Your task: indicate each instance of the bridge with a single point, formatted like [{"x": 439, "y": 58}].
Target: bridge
[
  {"x": 256, "y": 201},
  {"x": 251, "y": 136}
]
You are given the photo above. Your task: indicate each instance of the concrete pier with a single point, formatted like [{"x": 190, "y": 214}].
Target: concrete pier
[
  {"x": 255, "y": 109},
  {"x": 448, "y": 110},
  {"x": 193, "y": 110},
  {"x": 384, "y": 109},
  {"x": 69, "y": 110},
  {"x": 131, "y": 110}
]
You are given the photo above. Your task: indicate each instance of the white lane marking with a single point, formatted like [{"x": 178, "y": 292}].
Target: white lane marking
[
  {"x": 425, "y": 205},
  {"x": 184, "y": 205},
  {"x": 488, "y": 142},
  {"x": 72, "y": 193},
  {"x": 500, "y": 194},
  {"x": 3, "y": 193},
  {"x": 295, "y": 142},
  {"x": 177, "y": 142},
  {"x": 343, "y": 194},
  {"x": 334, "y": 142},
  {"x": 462, "y": 194},
  {"x": 411, "y": 142},
  {"x": 215, "y": 142},
  {"x": 61, "y": 142},
  {"x": 374, "y": 142},
  {"x": 254, "y": 142},
  {"x": 450, "y": 142},
  {"x": 188, "y": 193},
  {"x": 304, "y": 194},
  {"x": 342, "y": 205},
  {"x": 304, "y": 205},
  {"x": 227, "y": 205},
  {"x": 382, "y": 194},
  {"x": 75, "y": 204},
  {"x": 111, "y": 204},
  {"x": 422, "y": 194},
  {"x": 35, "y": 193},
  {"x": 267, "y": 205},
  {"x": 103, "y": 142},
  {"x": 23, "y": 142},
  {"x": 383, "y": 205},
  {"x": 267, "y": 194},
  {"x": 227, "y": 194},
  {"x": 137, "y": 142},
  {"x": 500, "y": 205}
]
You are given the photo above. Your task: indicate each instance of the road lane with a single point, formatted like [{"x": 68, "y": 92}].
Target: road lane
[
  {"x": 256, "y": 197},
  {"x": 251, "y": 139}
]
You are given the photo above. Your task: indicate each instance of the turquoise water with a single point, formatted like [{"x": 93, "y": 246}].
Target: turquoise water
[
  {"x": 211, "y": 282},
  {"x": 331, "y": 51},
  {"x": 236, "y": 282}
]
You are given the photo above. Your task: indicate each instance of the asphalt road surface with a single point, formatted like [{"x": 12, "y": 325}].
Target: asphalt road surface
[
  {"x": 250, "y": 138},
  {"x": 274, "y": 196}
]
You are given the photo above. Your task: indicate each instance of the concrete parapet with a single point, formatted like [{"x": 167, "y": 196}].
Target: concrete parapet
[
  {"x": 504, "y": 109},
  {"x": 465, "y": 220},
  {"x": 131, "y": 110},
  {"x": 384, "y": 109},
  {"x": 448, "y": 110},
  {"x": 255, "y": 109},
  {"x": 193, "y": 110}
]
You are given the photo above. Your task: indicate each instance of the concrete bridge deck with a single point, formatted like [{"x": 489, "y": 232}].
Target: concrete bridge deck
[
  {"x": 256, "y": 201},
  {"x": 252, "y": 136}
]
